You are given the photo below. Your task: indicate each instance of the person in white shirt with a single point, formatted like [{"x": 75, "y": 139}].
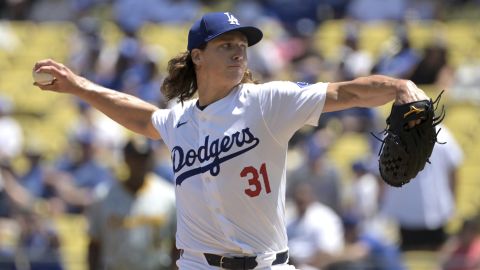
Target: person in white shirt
[
  {"x": 315, "y": 234},
  {"x": 11, "y": 133},
  {"x": 428, "y": 201},
  {"x": 362, "y": 195}
]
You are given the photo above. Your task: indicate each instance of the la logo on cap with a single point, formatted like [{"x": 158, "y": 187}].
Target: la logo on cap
[{"x": 231, "y": 18}]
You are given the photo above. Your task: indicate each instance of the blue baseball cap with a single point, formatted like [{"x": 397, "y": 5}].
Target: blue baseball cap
[{"x": 212, "y": 25}]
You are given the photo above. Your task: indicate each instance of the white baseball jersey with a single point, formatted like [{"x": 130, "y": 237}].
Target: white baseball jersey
[{"x": 229, "y": 162}]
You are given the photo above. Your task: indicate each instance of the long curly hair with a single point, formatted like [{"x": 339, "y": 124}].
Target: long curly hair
[{"x": 181, "y": 81}]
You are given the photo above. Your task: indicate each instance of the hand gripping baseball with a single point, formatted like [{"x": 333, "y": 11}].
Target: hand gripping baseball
[{"x": 64, "y": 80}]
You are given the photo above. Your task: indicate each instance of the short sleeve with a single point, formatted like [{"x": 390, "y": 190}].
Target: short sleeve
[
  {"x": 160, "y": 120},
  {"x": 288, "y": 106},
  {"x": 453, "y": 151},
  {"x": 329, "y": 234}
]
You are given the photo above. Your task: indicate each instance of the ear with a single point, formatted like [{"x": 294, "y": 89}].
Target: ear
[{"x": 196, "y": 56}]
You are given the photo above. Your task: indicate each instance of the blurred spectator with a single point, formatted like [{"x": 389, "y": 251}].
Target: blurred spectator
[
  {"x": 9, "y": 231},
  {"x": 36, "y": 244},
  {"x": 15, "y": 10},
  {"x": 302, "y": 18},
  {"x": 87, "y": 45},
  {"x": 272, "y": 57},
  {"x": 131, "y": 227},
  {"x": 39, "y": 243},
  {"x": 32, "y": 191},
  {"x": 29, "y": 191},
  {"x": 106, "y": 135},
  {"x": 433, "y": 67},
  {"x": 298, "y": 19},
  {"x": 130, "y": 15},
  {"x": 373, "y": 10},
  {"x": 428, "y": 200},
  {"x": 129, "y": 52},
  {"x": 365, "y": 252},
  {"x": 359, "y": 120},
  {"x": 424, "y": 10},
  {"x": 51, "y": 10},
  {"x": 11, "y": 133},
  {"x": 83, "y": 7},
  {"x": 249, "y": 12},
  {"x": 308, "y": 62},
  {"x": 398, "y": 58},
  {"x": 8, "y": 236},
  {"x": 134, "y": 70},
  {"x": 363, "y": 193},
  {"x": 466, "y": 81},
  {"x": 319, "y": 171},
  {"x": 33, "y": 179},
  {"x": 174, "y": 11},
  {"x": 15, "y": 197},
  {"x": 144, "y": 82},
  {"x": 85, "y": 176},
  {"x": 315, "y": 235},
  {"x": 353, "y": 62},
  {"x": 129, "y": 66},
  {"x": 462, "y": 251}
]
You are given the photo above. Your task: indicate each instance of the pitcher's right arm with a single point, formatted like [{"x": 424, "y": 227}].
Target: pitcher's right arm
[{"x": 127, "y": 110}]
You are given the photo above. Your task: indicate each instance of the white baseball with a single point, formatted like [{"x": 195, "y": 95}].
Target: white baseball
[{"x": 42, "y": 78}]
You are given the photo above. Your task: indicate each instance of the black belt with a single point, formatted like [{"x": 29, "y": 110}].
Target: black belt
[{"x": 241, "y": 262}]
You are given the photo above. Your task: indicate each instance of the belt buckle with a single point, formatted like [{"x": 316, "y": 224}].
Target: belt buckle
[{"x": 221, "y": 261}]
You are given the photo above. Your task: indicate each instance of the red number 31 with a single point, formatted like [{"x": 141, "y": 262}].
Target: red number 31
[{"x": 255, "y": 185}]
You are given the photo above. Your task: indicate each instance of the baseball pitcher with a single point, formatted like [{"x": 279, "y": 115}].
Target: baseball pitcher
[{"x": 228, "y": 139}]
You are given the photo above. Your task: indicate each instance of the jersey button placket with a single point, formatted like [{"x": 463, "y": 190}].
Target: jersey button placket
[
  {"x": 206, "y": 177},
  {"x": 215, "y": 206},
  {"x": 213, "y": 202},
  {"x": 213, "y": 197}
]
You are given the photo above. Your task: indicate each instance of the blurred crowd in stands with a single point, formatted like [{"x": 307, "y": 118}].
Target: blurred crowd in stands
[{"x": 123, "y": 184}]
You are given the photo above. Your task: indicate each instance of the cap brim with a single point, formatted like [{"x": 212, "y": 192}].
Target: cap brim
[{"x": 253, "y": 34}]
